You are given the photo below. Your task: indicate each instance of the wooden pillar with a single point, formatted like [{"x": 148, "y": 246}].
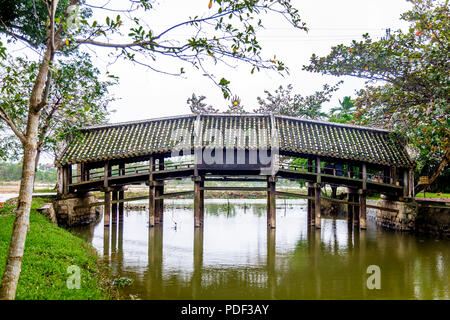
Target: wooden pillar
[
  {"x": 121, "y": 197},
  {"x": 271, "y": 200},
  {"x": 317, "y": 206},
  {"x": 349, "y": 207},
  {"x": 114, "y": 207},
  {"x": 202, "y": 202},
  {"x": 160, "y": 192},
  {"x": 121, "y": 193},
  {"x": 355, "y": 210},
  {"x": 107, "y": 213},
  {"x": 310, "y": 205},
  {"x": 198, "y": 202},
  {"x": 364, "y": 176},
  {"x": 411, "y": 183},
  {"x": 405, "y": 183},
  {"x": 362, "y": 209},
  {"x": 151, "y": 194}
]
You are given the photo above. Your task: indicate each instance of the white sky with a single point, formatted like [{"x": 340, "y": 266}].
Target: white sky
[
  {"x": 146, "y": 94},
  {"x": 143, "y": 93}
]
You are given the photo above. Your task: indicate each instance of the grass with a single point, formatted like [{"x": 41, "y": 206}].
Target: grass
[
  {"x": 49, "y": 251},
  {"x": 433, "y": 195}
]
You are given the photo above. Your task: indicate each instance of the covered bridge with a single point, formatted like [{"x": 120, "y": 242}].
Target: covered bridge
[{"x": 235, "y": 147}]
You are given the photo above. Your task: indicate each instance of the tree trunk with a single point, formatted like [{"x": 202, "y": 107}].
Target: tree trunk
[{"x": 21, "y": 222}]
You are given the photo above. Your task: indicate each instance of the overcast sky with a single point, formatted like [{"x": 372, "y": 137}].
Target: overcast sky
[{"x": 144, "y": 93}]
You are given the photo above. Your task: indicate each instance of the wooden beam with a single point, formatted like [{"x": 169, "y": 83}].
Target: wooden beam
[
  {"x": 197, "y": 202},
  {"x": 362, "y": 210},
  {"x": 107, "y": 211},
  {"x": 271, "y": 200},
  {"x": 151, "y": 194},
  {"x": 317, "y": 206},
  {"x": 235, "y": 188},
  {"x": 120, "y": 201},
  {"x": 114, "y": 207},
  {"x": 364, "y": 176},
  {"x": 296, "y": 195},
  {"x": 318, "y": 170}
]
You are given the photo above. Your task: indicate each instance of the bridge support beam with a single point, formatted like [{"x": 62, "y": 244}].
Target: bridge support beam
[
  {"x": 310, "y": 205},
  {"x": 355, "y": 198},
  {"x": 362, "y": 209},
  {"x": 198, "y": 201},
  {"x": 349, "y": 207},
  {"x": 107, "y": 213},
  {"x": 317, "y": 206},
  {"x": 121, "y": 197},
  {"x": 271, "y": 202},
  {"x": 114, "y": 207}
]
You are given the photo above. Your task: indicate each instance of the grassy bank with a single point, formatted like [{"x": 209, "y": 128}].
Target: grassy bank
[{"x": 49, "y": 251}]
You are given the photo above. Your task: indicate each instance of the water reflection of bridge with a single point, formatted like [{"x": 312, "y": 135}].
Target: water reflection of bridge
[
  {"x": 321, "y": 265},
  {"x": 224, "y": 148}
]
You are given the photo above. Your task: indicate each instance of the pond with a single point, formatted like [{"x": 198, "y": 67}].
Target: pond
[{"x": 235, "y": 256}]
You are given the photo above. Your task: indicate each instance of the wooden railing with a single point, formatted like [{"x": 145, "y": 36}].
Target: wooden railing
[{"x": 99, "y": 174}]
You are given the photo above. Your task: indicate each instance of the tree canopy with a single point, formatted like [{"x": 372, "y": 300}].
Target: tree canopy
[{"x": 408, "y": 80}]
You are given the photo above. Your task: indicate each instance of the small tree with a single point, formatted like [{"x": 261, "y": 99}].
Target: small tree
[{"x": 284, "y": 102}]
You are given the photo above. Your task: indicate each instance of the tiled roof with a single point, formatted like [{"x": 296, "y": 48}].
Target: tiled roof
[{"x": 249, "y": 131}]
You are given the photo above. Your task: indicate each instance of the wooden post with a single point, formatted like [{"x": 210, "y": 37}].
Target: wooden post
[
  {"x": 105, "y": 175},
  {"x": 121, "y": 197},
  {"x": 349, "y": 207},
  {"x": 271, "y": 209},
  {"x": 411, "y": 183},
  {"x": 202, "y": 202},
  {"x": 364, "y": 176},
  {"x": 317, "y": 206},
  {"x": 310, "y": 208},
  {"x": 394, "y": 175},
  {"x": 160, "y": 192},
  {"x": 114, "y": 207},
  {"x": 198, "y": 205},
  {"x": 355, "y": 211},
  {"x": 106, "y": 218},
  {"x": 362, "y": 209},
  {"x": 121, "y": 192},
  {"x": 318, "y": 169},
  {"x": 405, "y": 183},
  {"x": 151, "y": 193}
]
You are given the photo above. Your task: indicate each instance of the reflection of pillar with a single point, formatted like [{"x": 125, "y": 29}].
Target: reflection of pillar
[
  {"x": 113, "y": 239},
  {"x": 271, "y": 208},
  {"x": 120, "y": 246},
  {"x": 106, "y": 242},
  {"x": 271, "y": 254},
  {"x": 317, "y": 206},
  {"x": 198, "y": 262},
  {"x": 155, "y": 259}
]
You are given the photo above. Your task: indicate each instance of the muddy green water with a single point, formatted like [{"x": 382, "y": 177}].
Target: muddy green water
[{"x": 234, "y": 256}]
